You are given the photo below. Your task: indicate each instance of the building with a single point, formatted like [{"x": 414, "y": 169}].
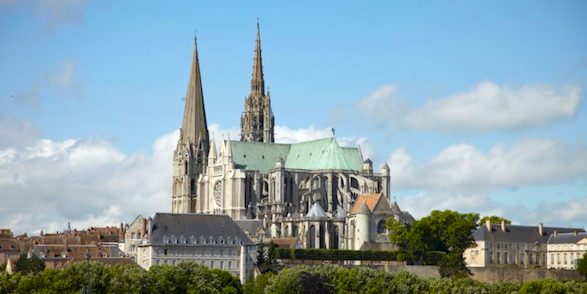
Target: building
[
  {"x": 211, "y": 240},
  {"x": 9, "y": 249},
  {"x": 366, "y": 224},
  {"x": 59, "y": 250},
  {"x": 304, "y": 189},
  {"x": 565, "y": 249},
  {"x": 511, "y": 245},
  {"x": 135, "y": 234}
]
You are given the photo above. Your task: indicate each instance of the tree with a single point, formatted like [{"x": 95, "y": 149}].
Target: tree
[
  {"x": 29, "y": 265},
  {"x": 446, "y": 231},
  {"x": 582, "y": 265},
  {"x": 494, "y": 219}
]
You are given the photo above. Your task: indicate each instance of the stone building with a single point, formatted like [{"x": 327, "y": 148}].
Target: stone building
[
  {"x": 304, "y": 189},
  {"x": 511, "y": 245},
  {"x": 211, "y": 240},
  {"x": 565, "y": 249}
]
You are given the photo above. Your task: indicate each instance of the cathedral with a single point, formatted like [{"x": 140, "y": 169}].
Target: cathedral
[{"x": 324, "y": 194}]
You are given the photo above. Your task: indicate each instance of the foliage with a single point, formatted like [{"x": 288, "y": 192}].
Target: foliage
[
  {"x": 28, "y": 265},
  {"x": 266, "y": 254},
  {"x": 333, "y": 254},
  {"x": 494, "y": 219},
  {"x": 582, "y": 265},
  {"x": 128, "y": 278},
  {"x": 445, "y": 231},
  {"x": 257, "y": 285},
  {"x": 334, "y": 279}
]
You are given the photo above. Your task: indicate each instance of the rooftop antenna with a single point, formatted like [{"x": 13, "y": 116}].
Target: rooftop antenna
[{"x": 333, "y": 132}]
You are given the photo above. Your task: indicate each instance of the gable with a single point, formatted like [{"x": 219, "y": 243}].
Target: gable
[{"x": 382, "y": 206}]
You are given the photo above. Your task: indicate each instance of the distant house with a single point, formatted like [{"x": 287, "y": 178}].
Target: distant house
[
  {"x": 510, "y": 245},
  {"x": 8, "y": 246},
  {"x": 565, "y": 249},
  {"x": 215, "y": 241}
]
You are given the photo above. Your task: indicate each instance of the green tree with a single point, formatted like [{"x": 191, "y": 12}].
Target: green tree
[
  {"x": 29, "y": 265},
  {"x": 446, "y": 231},
  {"x": 494, "y": 219},
  {"x": 582, "y": 265}
]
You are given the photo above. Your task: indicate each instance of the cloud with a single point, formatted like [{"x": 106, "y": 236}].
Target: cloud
[
  {"x": 62, "y": 12},
  {"x": 15, "y": 132},
  {"x": 87, "y": 181},
  {"x": 463, "y": 167},
  {"x": 62, "y": 83},
  {"x": 558, "y": 213},
  {"x": 486, "y": 106}
]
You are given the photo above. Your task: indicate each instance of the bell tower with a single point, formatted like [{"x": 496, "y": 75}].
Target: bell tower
[
  {"x": 190, "y": 157},
  {"x": 257, "y": 121}
]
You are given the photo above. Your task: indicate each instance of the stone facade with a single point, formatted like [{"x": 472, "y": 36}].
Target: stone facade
[
  {"x": 565, "y": 249},
  {"x": 511, "y": 245},
  {"x": 211, "y": 240}
]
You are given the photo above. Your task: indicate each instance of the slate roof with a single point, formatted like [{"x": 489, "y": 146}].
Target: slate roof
[
  {"x": 316, "y": 211},
  {"x": 517, "y": 233},
  {"x": 567, "y": 238},
  {"x": 196, "y": 225},
  {"x": 249, "y": 225},
  {"x": 321, "y": 154}
]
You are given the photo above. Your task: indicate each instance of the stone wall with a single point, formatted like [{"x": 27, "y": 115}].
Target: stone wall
[
  {"x": 513, "y": 274},
  {"x": 493, "y": 274}
]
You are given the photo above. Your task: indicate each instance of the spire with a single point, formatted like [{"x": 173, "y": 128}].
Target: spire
[
  {"x": 257, "y": 82},
  {"x": 194, "y": 127},
  {"x": 212, "y": 154}
]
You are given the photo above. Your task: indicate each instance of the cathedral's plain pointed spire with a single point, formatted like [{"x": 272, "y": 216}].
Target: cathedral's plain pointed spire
[{"x": 194, "y": 126}]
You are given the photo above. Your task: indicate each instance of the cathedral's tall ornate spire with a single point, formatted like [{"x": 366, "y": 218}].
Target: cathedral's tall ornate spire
[
  {"x": 191, "y": 154},
  {"x": 257, "y": 81},
  {"x": 257, "y": 122}
]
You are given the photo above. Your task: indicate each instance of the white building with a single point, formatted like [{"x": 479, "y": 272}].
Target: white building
[
  {"x": 211, "y": 240},
  {"x": 565, "y": 249},
  {"x": 510, "y": 245}
]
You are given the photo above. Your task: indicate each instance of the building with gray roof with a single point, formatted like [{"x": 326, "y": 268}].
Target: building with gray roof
[
  {"x": 213, "y": 240},
  {"x": 565, "y": 249},
  {"x": 513, "y": 245}
]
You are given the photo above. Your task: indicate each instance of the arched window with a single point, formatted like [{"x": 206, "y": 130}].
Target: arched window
[
  {"x": 381, "y": 229},
  {"x": 312, "y": 237}
]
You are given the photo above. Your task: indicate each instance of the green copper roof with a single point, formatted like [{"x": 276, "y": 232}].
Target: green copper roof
[{"x": 322, "y": 154}]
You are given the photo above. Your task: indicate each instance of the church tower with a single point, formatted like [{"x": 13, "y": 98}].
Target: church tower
[
  {"x": 190, "y": 157},
  {"x": 257, "y": 121}
]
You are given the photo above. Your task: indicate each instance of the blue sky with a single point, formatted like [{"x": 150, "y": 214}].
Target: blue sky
[{"x": 477, "y": 106}]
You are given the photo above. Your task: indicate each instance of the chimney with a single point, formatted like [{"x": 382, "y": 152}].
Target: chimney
[
  {"x": 488, "y": 224},
  {"x": 540, "y": 229},
  {"x": 576, "y": 233},
  {"x": 149, "y": 228},
  {"x": 144, "y": 227},
  {"x": 555, "y": 233},
  {"x": 503, "y": 226}
]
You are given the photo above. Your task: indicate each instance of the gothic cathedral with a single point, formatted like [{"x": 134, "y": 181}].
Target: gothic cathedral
[{"x": 319, "y": 192}]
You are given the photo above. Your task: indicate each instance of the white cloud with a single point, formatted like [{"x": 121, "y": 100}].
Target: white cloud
[
  {"x": 558, "y": 213},
  {"x": 484, "y": 107},
  {"x": 89, "y": 181},
  {"x": 462, "y": 167}
]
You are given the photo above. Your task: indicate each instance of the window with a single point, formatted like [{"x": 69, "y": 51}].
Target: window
[
  {"x": 165, "y": 251},
  {"x": 229, "y": 264},
  {"x": 381, "y": 227},
  {"x": 552, "y": 258},
  {"x": 558, "y": 258},
  {"x": 564, "y": 258},
  {"x": 212, "y": 264}
]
